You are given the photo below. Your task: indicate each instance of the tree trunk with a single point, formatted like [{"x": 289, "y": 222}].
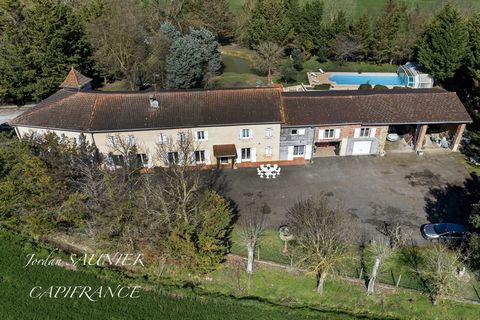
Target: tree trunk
[
  {"x": 321, "y": 281},
  {"x": 269, "y": 77},
  {"x": 251, "y": 253},
  {"x": 374, "y": 274}
]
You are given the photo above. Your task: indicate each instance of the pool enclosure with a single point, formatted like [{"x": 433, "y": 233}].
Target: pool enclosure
[{"x": 413, "y": 78}]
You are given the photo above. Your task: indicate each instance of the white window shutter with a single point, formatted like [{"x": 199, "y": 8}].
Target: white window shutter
[
  {"x": 250, "y": 133},
  {"x": 290, "y": 153},
  {"x": 308, "y": 152},
  {"x": 207, "y": 156},
  {"x": 337, "y": 133},
  {"x": 372, "y": 132},
  {"x": 192, "y": 158},
  {"x": 239, "y": 155},
  {"x": 195, "y": 135},
  {"x": 253, "y": 154},
  {"x": 356, "y": 133},
  {"x": 321, "y": 134},
  {"x": 301, "y": 131},
  {"x": 240, "y": 136},
  {"x": 150, "y": 161},
  {"x": 205, "y": 133}
]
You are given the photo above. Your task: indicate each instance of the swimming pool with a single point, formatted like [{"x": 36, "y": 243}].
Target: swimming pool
[{"x": 357, "y": 79}]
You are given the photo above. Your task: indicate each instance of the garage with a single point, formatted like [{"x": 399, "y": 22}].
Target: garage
[{"x": 361, "y": 147}]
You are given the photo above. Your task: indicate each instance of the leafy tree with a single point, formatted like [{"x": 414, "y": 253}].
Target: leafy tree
[
  {"x": 319, "y": 231},
  {"x": 39, "y": 42},
  {"x": 269, "y": 21},
  {"x": 213, "y": 15},
  {"x": 444, "y": 45},
  {"x": 473, "y": 56},
  {"x": 297, "y": 57},
  {"x": 125, "y": 47},
  {"x": 192, "y": 59},
  {"x": 267, "y": 57},
  {"x": 288, "y": 72}
]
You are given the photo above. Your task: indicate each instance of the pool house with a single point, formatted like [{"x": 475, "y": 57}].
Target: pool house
[{"x": 413, "y": 78}]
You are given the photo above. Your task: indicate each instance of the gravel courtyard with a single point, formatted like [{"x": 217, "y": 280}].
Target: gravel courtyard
[{"x": 404, "y": 188}]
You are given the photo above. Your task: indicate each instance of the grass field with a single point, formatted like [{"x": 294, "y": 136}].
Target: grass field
[
  {"x": 157, "y": 303},
  {"x": 373, "y": 7}
]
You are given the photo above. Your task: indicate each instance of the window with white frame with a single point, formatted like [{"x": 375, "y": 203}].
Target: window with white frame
[
  {"x": 201, "y": 136},
  {"x": 298, "y": 132},
  {"x": 162, "y": 138},
  {"x": 182, "y": 137},
  {"x": 113, "y": 140},
  {"x": 246, "y": 133},
  {"x": 268, "y": 151},
  {"x": 269, "y": 133},
  {"x": 142, "y": 159},
  {"x": 329, "y": 133},
  {"x": 364, "y": 132},
  {"x": 298, "y": 150},
  {"x": 131, "y": 141},
  {"x": 246, "y": 153},
  {"x": 200, "y": 156},
  {"x": 172, "y": 158}
]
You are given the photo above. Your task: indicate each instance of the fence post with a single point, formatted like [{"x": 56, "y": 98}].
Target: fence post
[{"x": 398, "y": 281}]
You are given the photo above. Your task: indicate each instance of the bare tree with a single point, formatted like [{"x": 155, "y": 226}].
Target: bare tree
[
  {"x": 440, "y": 271},
  {"x": 267, "y": 57},
  {"x": 383, "y": 248},
  {"x": 252, "y": 224},
  {"x": 324, "y": 235}
]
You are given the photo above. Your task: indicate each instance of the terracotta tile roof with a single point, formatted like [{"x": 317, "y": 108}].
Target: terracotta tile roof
[
  {"x": 224, "y": 150},
  {"x": 75, "y": 80},
  {"x": 373, "y": 107},
  {"x": 105, "y": 111}
]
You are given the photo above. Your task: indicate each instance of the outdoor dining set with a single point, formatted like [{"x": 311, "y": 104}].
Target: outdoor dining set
[{"x": 268, "y": 171}]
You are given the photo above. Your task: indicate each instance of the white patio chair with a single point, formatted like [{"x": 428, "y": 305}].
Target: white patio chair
[
  {"x": 321, "y": 71},
  {"x": 275, "y": 166},
  {"x": 278, "y": 171}
]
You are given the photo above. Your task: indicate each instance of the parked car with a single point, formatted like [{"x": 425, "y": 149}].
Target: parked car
[{"x": 432, "y": 231}]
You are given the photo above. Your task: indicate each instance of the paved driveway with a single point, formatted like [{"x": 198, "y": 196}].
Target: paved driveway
[{"x": 405, "y": 188}]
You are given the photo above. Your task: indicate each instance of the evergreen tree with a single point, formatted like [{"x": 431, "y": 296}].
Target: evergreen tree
[
  {"x": 362, "y": 35},
  {"x": 269, "y": 21},
  {"x": 473, "y": 57},
  {"x": 444, "y": 45},
  {"x": 39, "y": 43},
  {"x": 386, "y": 37},
  {"x": 310, "y": 26},
  {"x": 297, "y": 57},
  {"x": 192, "y": 59}
]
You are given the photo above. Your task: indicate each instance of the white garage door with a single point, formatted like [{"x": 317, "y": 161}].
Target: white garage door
[{"x": 361, "y": 147}]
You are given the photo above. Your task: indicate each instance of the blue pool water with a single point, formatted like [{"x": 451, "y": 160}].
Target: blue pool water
[{"x": 354, "y": 79}]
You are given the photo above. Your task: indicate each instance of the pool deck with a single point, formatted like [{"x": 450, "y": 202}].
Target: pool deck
[{"x": 316, "y": 78}]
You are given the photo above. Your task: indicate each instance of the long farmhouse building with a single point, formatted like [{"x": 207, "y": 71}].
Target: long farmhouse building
[{"x": 249, "y": 125}]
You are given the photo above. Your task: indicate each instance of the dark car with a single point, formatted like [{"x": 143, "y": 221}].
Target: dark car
[{"x": 443, "y": 231}]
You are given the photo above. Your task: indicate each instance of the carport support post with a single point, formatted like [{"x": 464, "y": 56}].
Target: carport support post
[
  {"x": 458, "y": 136},
  {"x": 421, "y": 137}
]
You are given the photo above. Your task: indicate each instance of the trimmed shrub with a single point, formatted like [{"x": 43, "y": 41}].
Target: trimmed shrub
[
  {"x": 380, "y": 87},
  {"x": 365, "y": 86},
  {"x": 323, "y": 86}
]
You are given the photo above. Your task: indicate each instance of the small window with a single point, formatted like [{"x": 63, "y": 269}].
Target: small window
[
  {"x": 172, "y": 158},
  {"x": 268, "y": 151},
  {"x": 246, "y": 133},
  {"x": 201, "y": 136},
  {"x": 162, "y": 138},
  {"x": 329, "y": 133},
  {"x": 200, "y": 156},
  {"x": 269, "y": 132},
  {"x": 142, "y": 159},
  {"x": 113, "y": 140},
  {"x": 365, "y": 132},
  {"x": 181, "y": 137},
  {"x": 298, "y": 150},
  {"x": 245, "y": 153},
  {"x": 298, "y": 132},
  {"x": 131, "y": 141}
]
